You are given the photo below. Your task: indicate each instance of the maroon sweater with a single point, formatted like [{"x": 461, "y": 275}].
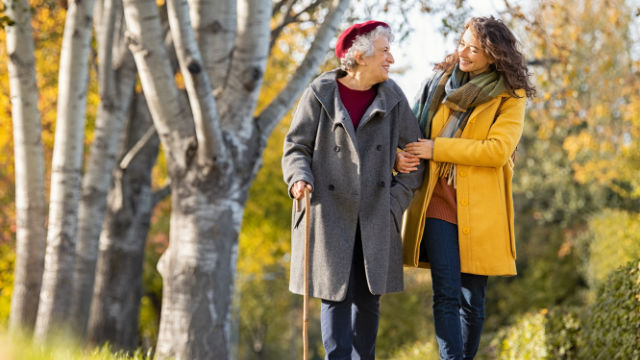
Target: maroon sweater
[{"x": 356, "y": 101}]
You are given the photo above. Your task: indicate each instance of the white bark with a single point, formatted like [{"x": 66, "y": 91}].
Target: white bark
[
  {"x": 211, "y": 148},
  {"x": 214, "y": 23},
  {"x": 117, "y": 77},
  {"x": 29, "y": 168},
  {"x": 197, "y": 271},
  {"x": 272, "y": 114},
  {"x": 247, "y": 70},
  {"x": 66, "y": 169},
  {"x": 175, "y": 128}
]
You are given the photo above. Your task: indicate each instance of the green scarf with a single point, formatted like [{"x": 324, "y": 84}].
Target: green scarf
[{"x": 461, "y": 94}]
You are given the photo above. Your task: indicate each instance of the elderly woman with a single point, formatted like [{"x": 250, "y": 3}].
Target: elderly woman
[
  {"x": 460, "y": 223},
  {"x": 341, "y": 145}
]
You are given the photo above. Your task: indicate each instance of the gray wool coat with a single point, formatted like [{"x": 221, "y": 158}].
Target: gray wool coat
[{"x": 352, "y": 179}]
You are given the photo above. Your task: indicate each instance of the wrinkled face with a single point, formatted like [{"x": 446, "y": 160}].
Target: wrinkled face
[
  {"x": 473, "y": 59},
  {"x": 376, "y": 66}
]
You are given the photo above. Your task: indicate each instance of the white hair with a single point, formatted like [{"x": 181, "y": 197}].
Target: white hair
[{"x": 364, "y": 44}]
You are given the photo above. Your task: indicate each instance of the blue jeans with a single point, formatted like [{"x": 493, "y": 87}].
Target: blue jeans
[
  {"x": 458, "y": 298},
  {"x": 349, "y": 327}
]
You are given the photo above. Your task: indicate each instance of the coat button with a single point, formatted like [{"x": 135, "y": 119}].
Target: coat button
[
  {"x": 381, "y": 183},
  {"x": 465, "y": 230},
  {"x": 336, "y": 149},
  {"x": 464, "y": 202},
  {"x": 463, "y": 173},
  {"x": 379, "y": 147},
  {"x": 331, "y": 187}
]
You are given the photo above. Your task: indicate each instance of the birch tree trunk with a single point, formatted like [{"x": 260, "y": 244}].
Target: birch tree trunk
[
  {"x": 118, "y": 287},
  {"x": 209, "y": 190},
  {"x": 29, "y": 168},
  {"x": 116, "y": 76},
  {"x": 55, "y": 301}
]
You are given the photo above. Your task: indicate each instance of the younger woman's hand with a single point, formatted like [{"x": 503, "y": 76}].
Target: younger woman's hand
[
  {"x": 406, "y": 163},
  {"x": 423, "y": 149}
]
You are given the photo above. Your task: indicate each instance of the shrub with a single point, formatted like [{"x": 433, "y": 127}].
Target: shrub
[
  {"x": 607, "y": 329},
  {"x": 612, "y": 326},
  {"x": 544, "y": 335}
]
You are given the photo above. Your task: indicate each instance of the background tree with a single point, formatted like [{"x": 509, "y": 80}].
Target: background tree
[
  {"x": 55, "y": 303},
  {"x": 117, "y": 76},
  {"x": 29, "y": 167},
  {"x": 118, "y": 288}
]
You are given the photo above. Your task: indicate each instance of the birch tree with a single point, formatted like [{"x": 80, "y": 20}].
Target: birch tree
[
  {"x": 29, "y": 165},
  {"x": 116, "y": 80},
  {"x": 213, "y": 150},
  {"x": 55, "y": 301},
  {"x": 118, "y": 289}
]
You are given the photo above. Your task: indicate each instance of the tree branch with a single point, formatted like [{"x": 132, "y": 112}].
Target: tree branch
[
  {"x": 273, "y": 113},
  {"x": 156, "y": 77},
  {"x": 247, "y": 67},
  {"x": 135, "y": 150},
  {"x": 203, "y": 106},
  {"x": 277, "y": 6},
  {"x": 214, "y": 23},
  {"x": 105, "y": 29},
  {"x": 289, "y": 19},
  {"x": 286, "y": 20}
]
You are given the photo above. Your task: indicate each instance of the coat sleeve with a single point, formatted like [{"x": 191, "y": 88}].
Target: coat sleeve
[
  {"x": 403, "y": 185},
  {"x": 300, "y": 141},
  {"x": 495, "y": 150}
]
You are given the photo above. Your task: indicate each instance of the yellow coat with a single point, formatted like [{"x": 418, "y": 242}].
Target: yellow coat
[{"x": 483, "y": 187}]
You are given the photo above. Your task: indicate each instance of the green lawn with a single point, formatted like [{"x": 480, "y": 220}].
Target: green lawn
[{"x": 19, "y": 347}]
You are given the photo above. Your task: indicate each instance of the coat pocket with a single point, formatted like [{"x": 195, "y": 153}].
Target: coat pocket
[
  {"x": 297, "y": 216},
  {"x": 508, "y": 177}
]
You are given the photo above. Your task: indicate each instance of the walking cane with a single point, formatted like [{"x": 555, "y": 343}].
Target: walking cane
[{"x": 305, "y": 303}]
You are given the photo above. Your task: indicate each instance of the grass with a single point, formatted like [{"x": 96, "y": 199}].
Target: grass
[{"x": 21, "y": 347}]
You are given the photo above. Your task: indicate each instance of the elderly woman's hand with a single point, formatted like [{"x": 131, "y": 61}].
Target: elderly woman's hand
[
  {"x": 297, "y": 190},
  {"x": 406, "y": 163},
  {"x": 423, "y": 148}
]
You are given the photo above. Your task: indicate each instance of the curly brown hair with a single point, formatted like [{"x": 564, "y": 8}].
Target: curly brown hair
[{"x": 501, "y": 46}]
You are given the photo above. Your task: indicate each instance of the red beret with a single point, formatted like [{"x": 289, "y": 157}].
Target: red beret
[{"x": 345, "y": 40}]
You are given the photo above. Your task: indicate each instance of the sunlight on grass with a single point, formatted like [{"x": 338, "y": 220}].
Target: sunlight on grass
[{"x": 20, "y": 347}]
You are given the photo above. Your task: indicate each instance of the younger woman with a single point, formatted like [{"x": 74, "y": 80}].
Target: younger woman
[{"x": 460, "y": 222}]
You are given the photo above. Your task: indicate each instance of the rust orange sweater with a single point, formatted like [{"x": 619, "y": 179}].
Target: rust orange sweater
[{"x": 443, "y": 202}]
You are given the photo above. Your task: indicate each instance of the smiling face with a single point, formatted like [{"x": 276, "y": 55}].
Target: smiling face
[
  {"x": 472, "y": 58},
  {"x": 376, "y": 66}
]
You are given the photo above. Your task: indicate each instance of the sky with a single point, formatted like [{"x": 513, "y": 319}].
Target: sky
[{"x": 425, "y": 46}]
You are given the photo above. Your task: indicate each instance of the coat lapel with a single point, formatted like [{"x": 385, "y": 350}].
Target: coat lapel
[
  {"x": 385, "y": 100},
  {"x": 377, "y": 106},
  {"x": 341, "y": 118},
  {"x": 439, "y": 119},
  {"x": 489, "y": 105}
]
